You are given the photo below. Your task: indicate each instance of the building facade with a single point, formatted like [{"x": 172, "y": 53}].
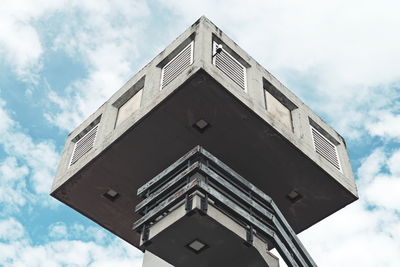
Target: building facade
[{"x": 203, "y": 89}]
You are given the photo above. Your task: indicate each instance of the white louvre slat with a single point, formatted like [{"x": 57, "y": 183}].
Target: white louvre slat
[
  {"x": 84, "y": 145},
  {"x": 325, "y": 148},
  {"x": 177, "y": 65},
  {"x": 230, "y": 66}
]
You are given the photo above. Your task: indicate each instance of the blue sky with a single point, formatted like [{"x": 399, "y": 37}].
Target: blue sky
[{"x": 60, "y": 60}]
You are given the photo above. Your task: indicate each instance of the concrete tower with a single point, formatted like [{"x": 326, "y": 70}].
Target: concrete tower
[{"x": 203, "y": 158}]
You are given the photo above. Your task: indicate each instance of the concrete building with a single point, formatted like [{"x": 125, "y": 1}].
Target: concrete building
[{"x": 203, "y": 89}]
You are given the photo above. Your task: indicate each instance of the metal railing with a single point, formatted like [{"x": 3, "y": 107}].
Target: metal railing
[{"x": 229, "y": 192}]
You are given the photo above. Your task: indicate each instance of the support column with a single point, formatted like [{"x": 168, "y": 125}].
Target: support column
[{"x": 151, "y": 260}]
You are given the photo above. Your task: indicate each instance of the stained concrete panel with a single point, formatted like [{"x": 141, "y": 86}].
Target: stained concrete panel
[
  {"x": 151, "y": 260},
  {"x": 278, "y": 110},
  {"x": 223, "y": 237},
  {"x": 242, "y": 133},
  {"x": 130, "y": 106}
]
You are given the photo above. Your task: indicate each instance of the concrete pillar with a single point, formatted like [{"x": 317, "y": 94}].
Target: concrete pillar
[{"x": 151, "y": 260}]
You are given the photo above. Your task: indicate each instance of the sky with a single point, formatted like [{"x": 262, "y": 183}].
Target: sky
[{"x": 60, "y": 60}]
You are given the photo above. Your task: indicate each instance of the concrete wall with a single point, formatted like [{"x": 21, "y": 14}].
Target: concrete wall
[
  {"x": 151, "y": 260},
  {"x": 203, "y": 32},
  {"x": 263, "y": 254}
]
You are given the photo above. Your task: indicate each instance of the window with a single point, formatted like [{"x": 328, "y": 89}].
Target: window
[
  {"x": 84, "y": 141},
  {"x": 129, "y": 102},
  {"x": 229, "y": 65},
  {"x": 324, "y": 146},
  {"x": 130, "y": 107},
  {"x": 278, "y": 110},
  {"x": 177, "y": 65},
  {"x": 278, "y": 105}
]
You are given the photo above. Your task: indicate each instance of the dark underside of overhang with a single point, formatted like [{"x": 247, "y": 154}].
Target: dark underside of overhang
[
  {"x": 236, "y": 135},
  {"x": 223, "y": 247}
]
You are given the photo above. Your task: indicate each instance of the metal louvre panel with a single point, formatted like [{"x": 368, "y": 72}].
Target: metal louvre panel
[
  {"x": 325, "y": 148},
  {"x": 177, "y": 65},
  {"x": 230, "y": 66},
  {"x": 83, "y": 145}
]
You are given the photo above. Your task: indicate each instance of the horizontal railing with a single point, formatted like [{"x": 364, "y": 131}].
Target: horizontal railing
[{"x": 230, "y": 192}]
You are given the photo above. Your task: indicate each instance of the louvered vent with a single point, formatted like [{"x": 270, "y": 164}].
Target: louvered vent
[
  {"x": 325, "y": 148},
  {"x": 84, "y": 144},
  {"x": 230, "y": 66},
  {"x": 177, "y": 65}
]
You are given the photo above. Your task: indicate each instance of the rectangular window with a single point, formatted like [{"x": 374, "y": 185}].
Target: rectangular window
[
  {"x": 278, "y": 110},
  {"x": 278, "y": 105},
  {"x": 130, "y": 107},
  {"x": 129, "y": 102},
  {"x": 324, "y": 147},
  {"x": 177, "y": 65},
  {"x": 84, "y": 141},
  {"x": 229, "y": 65}
]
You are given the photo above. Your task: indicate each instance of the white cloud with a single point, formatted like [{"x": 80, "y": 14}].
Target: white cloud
[
  {"x": 365, "y": 233},
  {"x": 20, "y": 46},
  {"x": 350, "y": 43},
  {"x": 378, "y": 187},
  {"x": 5, "y": 121},
  {"x": 354, "y": 236},
  {"x": 384, "y": 192},
  {"x": 394, "y": 163},
  {"x": 28, "y": 163},
  {"x": 13, "y": 191},
  {"x": 20, "y": 251},
  {"x": 106, "y": 39},
  {"x": 343, "y": 56},
  {"x": 371, "y": 166},
  {"x": 344, "y": 59},
  {"x": 11, "y": 229},
  {"x": 103, "y": 34},
  {"x": 58, "y": 230},
  {"x": 61, "y": 230},
  {"x": 20, "y": 43},
  {"x": 386, "y": 124}
]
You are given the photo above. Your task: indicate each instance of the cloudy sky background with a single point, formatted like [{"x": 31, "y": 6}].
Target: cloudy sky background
[{"x": 60, "y": 60}]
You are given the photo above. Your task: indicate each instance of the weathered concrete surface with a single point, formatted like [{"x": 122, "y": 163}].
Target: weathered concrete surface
[
  {"x": 243, "y": 133},
  {"x": 151, "y": 260},
  {"x": 225, "y": 238}
]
